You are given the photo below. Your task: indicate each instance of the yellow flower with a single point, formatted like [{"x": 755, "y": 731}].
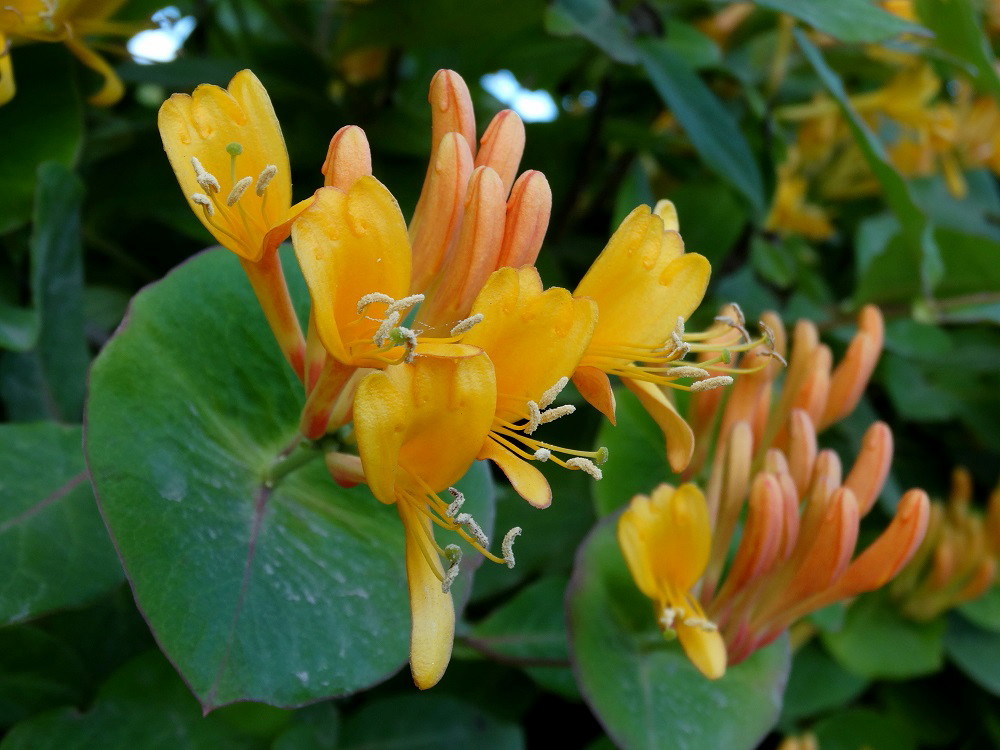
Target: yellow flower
[
  {"x": 226, "y": 149},
  {"x": 790, "y": 212},
  {"x": 69, "y": 22},
  {"x": 665, "y": 539}
]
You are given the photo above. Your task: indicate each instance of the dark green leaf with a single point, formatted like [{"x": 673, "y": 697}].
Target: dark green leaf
[
  {"x": 817, "y": 683},
  {"x": 860, "y": 727},
  {"x": 642, "y": 688},
  {"x": 708, "y": 124},
  {"x": 427, "y": 722},
  {"x": 984, "y": 611},
  {"x": 290, "y": 593},
  {"x": 37, "y": 672},
  {"x": 957, "y": 29},
  {"x": 313, "y": 728},
  {"x": 878, "y": 642},
  {"x": 54, "y": 549},
  {"x": 49, "y": 381},
  {"x": 847, "y": 20},
  {"x": 976, "y": 651},
  {"x": 597, "y": 22}
]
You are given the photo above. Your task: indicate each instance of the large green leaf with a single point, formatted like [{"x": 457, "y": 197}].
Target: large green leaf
[
  {"x": 54, "y": 549},
  {"x": 847, "y": 20},
  {"x": 48, "y": 382},
  {"x": 878, "y": 642},
  {"x": 43, "y": 122},
  {"x": 918, "y": 234},
  {"x": 642, "y": 688},
  {"x": 817, "y": 683},
  {"x": 281, "y": 594},
  {"x": 976, "y": 651},
  {"x": 711, "y": 127},
  {"x": 37, "y": 672},
  {"x": 957, "y": 30}
]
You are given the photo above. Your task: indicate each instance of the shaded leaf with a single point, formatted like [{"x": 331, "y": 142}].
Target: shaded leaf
[
  {"x": 976, "y": 651},
  {"x": 957, "y": 30},
  {"x": 847, "y": 20},
  {"x": 597, "y": 22}
]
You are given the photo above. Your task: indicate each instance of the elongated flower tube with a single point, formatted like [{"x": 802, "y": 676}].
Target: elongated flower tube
[
  {"x": 535, "y": 339},
  {"x": 665, "y": 539},
  {"x": 70, "y": 22},
  {"x": 956, "y": 561},
  {"x": 419, "y": 427},
  {"x": 227, "y": 151},
  {"x": 640, "y": 333}
]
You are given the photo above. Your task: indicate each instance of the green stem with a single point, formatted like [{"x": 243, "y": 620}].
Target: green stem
[{"x": 292, "y": 458}]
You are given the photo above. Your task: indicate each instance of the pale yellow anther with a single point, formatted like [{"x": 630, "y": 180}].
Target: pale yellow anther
[
  {"x": 371, "y": 298},
  {"x": 585, "y": 465},
  {"x": 408, "y": 337},
  {"x": 551, "y": 415},
  {"x": 453, "y": 553},
  {"x": 456, "y": 503},
  {"x": 552, "y": 392},
  {"x": 238, "y": 189},
  {"x": 404, "y": 304},
  {"x": 203, "y": 200},
  {"x": 668, "y": 617},
  {"x": 466, "y": 324},
  {"x": 390, "y": 322},
  {"x": 719, "y": 381},
  {"x": 534, "y": 418},
  {"x": 264, "y": 178},
  {"x": 507, "y": 546},
  {"x": 543, "y": 455},
  {"x": 687, "y": 371},
  {"x": 474, "y": 529},
  {"x": 204, "y": 178},
  {"x": 701, "y": 623}
]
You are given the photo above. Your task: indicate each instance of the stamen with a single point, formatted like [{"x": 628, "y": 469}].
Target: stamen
[
  {"x": 685, "y": 371},
  {"x": 404, "y": 337},
  {"x": 238, "y": 189},
  {"x": 371, "y": 298},
  {"x": 551, "y": 415},
  {"x": 456, "y": 504},
  {"x": 719, "y": 381},
  {"x": 404, "y": 304},
  {"x": 543, "y": 454},
  {"x": 265, "y": 177},
  {"x": 453, "y": 553},
  {"x": 585, "y": 465},
  {"x": 507, "y": 546},
  {"x": 701, "y": 623},
  {"x": 552, "y": 392},
  {"x": 383, "y": 331},
  {"x": 534, "y": 419},
  {"x": 475, "y": 530},
  {"x": 203, "y": 200},
  {"x": 205, "y": 178},
  {"x": 465, "y": 325},
  {"x": 668, "y": 617},
  {"x": 679, "y": 327}
]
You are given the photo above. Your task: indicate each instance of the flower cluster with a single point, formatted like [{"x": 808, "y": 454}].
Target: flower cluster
[
  {"x": 433, "y": 343},
  {"x": 801, "y": 514}
]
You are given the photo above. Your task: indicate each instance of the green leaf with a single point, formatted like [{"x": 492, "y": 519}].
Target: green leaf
[
  {"x": 957, "y": 30},
  {"x": 863, "y": 728},
  {"x": 918, "y": 236},
  {"x": 43, "y": 122},
  {"x": 427, "y": 722},
  {"x": 984, "y": 611},
  {"x": 597, "y": 22},
  {"x": 712, "y": 218},
  {"x": 49, "y": 381},
  {"x": 37, "y": 672},
  {"x": 914, "y": 393},
  {"x": 817, "y": 684},
  {"x": 54, "y": 549},
  {"x": 314, "y": 728},
  {"x": 642, "y": 688},
  {"x": 976, "y": 651},
  {"x": 708, "y": 124},
  {"x": 290, "y": 593},
  {"x": 637, "y": 458},
  {"x": 879, "y": 643},
  {"x": 144, "y": 705},
  {"x": 847, "y": 20}
]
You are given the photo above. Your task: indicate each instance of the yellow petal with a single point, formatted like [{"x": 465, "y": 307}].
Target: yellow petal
[
  {"x": 681, "y": 535},
  {"x": 527, "y": 481},
  {"x": 7, "y": 86},
  {"x": 705, "y": 649},
  {"x": 594, "y": 385},
  {"x": 432, "y": 613},
  {"x": 633, "y": 527},
  {"x": 678, "y": 434},
  {"x": 349, "y": 245},
  {"x": 112, "y": 89}
]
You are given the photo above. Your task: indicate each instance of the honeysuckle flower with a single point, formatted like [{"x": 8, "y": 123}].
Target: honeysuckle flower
[
  {"x": 790, "y": 212},
  {"x": 535, "y": 339},
  {"x": 70, "y": 22},
  {"x": 956, "y": 561},
  {"x": 640, "y": 334},
  {"x": 419, "y": 427},
  {"x": 227, "y": 151},
  {"x": 665, "y": 539}
]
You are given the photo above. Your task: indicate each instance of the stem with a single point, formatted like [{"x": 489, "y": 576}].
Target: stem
[{"x": 292, "y": 458}]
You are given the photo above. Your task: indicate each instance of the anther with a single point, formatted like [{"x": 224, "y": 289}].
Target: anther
[
  {"x": 551, "y": 415},
  {"x": 382, "y": 333},
  {"x": 719, "y": 381},
  {"x": 686, "y": 371},
  {"x": 534, "y": 418},
  {"x": 701, "y": 623},
  {"x": 552, "y": 392},
  {"x": 203, "y": 200},
  {"x": 668, "y": 617},
  {"x": 204, "y": 178},
  {"x": 466, "y": 324},
  {"x": 265, "y": 177},
  {"x": 372, "y": 298},
  {"x": 404, "y": 304},
  {"x": 679, "y": 327},
  {"x": 453, "y": 553},
  {"x": 407, "y": 337},
  {"x": 456, "y": 504},
  {"x": 238, "y": 189},
  {"x": 585, "y": 465},
  {"x": 507, "y": 546},
  {"x": 543, "y": 455},
  {"x": 474, "y": 529}
]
